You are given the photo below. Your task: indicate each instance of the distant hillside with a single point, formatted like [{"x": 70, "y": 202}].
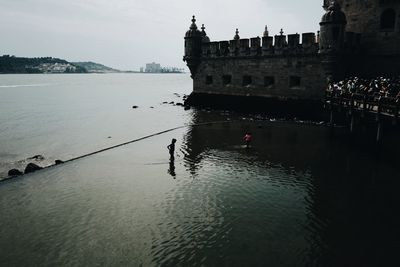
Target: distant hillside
[
  {"x": 95, "y": 67},
  {"x": 12, "y": 64}
]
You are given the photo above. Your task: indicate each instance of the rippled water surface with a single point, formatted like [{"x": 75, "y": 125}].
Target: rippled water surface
[{"x": 297, "y": 197}]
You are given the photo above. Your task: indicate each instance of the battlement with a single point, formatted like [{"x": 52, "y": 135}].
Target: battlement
[
  {"x": 264, "y": 46},
  {"x": 269, "y": 46}
]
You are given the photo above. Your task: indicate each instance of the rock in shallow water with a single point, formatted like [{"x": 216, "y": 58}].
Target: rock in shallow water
[
  {"x": 14, "y": 172},
  {"x": 58, "y": 162},
  {"x": 32, "y": 167}
]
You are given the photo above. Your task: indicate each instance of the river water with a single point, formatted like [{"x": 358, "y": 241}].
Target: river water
[{"x": 297, "y": 197}]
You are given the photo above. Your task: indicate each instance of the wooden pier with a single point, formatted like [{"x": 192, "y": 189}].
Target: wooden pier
[{"x": 372, "y": 109}]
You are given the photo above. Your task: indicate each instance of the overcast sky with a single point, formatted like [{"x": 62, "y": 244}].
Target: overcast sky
[{"x": 126, "y": 34}]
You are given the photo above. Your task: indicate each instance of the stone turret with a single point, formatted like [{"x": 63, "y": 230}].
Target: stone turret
[
  {"x": 236, "y": 37},
  {"x": 193, "y": 41},
  {"x": 326, "y": 4},
  {"x": 205, "y": 38},
  {"x": 331, "y": 43},
  {"x": 266, "y": 32},
  {"x": 333, "y": 25}
]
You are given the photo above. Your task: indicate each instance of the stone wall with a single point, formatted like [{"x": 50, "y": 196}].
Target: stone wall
[
  {"x": 373, "y": 65},
  {"x": 284, "y": 76},
  {"x": 364, "y": 16}
]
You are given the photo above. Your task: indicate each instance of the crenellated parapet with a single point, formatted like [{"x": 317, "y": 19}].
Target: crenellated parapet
[
  {"x": 355, "y": 38},
  {"x": 332, "y": 43},
  {"x": 266, "y": 46}
]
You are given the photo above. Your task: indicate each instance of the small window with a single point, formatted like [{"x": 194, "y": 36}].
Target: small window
[
  {"x": 209, "y": 79},
  {"x": 294, "y": 81},
  {"x": 269, "y": 81},
  {"x": 247, "y": 80},
  {"x": 388, "y": 19},
  {"x": 226, "y": 79}
]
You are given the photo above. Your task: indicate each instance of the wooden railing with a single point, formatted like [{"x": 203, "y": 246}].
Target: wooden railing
[{"x": 366, "y": 103}]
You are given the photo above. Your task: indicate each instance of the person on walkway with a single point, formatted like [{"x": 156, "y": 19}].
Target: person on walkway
[
  {"x": 171, "y": 148},
  {"x": 247, "y": 138}
]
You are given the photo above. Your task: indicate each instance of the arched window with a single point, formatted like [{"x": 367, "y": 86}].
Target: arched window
[{"x": 388, "y": 19}]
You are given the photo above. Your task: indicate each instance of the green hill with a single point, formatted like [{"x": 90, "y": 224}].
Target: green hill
[
  {"x": 93, "y": 67},
  {"x": 12, "y": 64}
]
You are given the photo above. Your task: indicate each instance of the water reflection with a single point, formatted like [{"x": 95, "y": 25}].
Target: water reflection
[
  {"x": 171, "y": 169},
  {"x": 296, "y": 198}
]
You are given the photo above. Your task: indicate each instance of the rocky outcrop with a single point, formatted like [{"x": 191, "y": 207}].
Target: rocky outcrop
[
  {"x": 14, "y": 172},
  {"x": 32, "y": 167},
  {"x": 58, "y": 162}
]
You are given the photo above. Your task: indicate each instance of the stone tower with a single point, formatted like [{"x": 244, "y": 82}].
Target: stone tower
[
  {"x": 193, "y": 41},
  {"x": 377, "y": 23},
  {"x": 331, "y": 45},
  {"x": 377, "y": 20}
]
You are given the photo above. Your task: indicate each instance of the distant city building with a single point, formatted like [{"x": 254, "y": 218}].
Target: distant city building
[
  {"x": 153, "y": 67},
  {"x": 156, "y": 68}
]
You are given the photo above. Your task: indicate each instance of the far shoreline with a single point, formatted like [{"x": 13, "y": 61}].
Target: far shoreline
[{"x": 85, "y": 73}]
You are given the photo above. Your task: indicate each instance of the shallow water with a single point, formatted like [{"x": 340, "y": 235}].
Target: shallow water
[
  {"x": 297, "y": 197},
  {"x": 64, "y": 116}
]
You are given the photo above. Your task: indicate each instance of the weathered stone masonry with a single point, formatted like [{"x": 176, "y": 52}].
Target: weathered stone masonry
[
  {"x": 296, "y": 75},
  {"x": 357, "y": 37}
]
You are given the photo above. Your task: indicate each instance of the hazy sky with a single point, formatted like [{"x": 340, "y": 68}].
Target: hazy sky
[{"x": 126, "y": 34}]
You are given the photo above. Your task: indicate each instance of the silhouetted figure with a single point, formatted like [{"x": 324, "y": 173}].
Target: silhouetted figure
[
  {"x": 171, "y": 148},
  {"x": 247, "y": 138}
]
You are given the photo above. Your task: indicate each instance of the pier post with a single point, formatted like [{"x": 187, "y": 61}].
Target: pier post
[
  {"x": 351, "y": 113},
  {"x": 364, "y": 105},
  {"x": 379, "y": 132},
  {"x": 352, "y": 123},
  {"x": 378, "y": 119},
  {"x": 332, "y": 119}
]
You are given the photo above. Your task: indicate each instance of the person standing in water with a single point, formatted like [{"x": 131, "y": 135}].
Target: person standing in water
[
  {"x": 171, "y": 148},
  {"x": 247, "y": 138}
]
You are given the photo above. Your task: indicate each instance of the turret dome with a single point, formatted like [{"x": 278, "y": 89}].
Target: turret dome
[
  {"x": 193, "y": 31},
  {"x": 334, "y": 14}
]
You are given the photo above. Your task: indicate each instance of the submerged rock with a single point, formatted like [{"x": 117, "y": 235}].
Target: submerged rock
[
  {"x": 179, "y": 104},
  {"x": 14, "y": 172},
  {"x": 58, "y": 162},
  {"x": 135, "y": 107},
  {"x": 32, "y": 167}
]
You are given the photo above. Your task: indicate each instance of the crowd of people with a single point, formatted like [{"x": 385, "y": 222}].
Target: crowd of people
[{"x": 376, "y": 87}]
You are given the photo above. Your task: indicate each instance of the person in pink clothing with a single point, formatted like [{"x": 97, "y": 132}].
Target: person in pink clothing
[{"x": 247, "y": 138}]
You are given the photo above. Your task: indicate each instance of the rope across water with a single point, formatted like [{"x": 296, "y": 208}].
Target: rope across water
[{"x": 127, "y": 143}]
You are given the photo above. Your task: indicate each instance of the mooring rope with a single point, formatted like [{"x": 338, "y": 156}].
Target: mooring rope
[{"x": 125, "y": 143}]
